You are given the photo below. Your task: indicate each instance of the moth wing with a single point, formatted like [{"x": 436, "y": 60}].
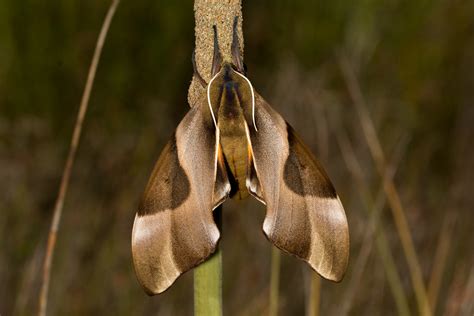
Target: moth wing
[
  {"x": 174, "y": 228},
  {"x": 304, "y": 214}
]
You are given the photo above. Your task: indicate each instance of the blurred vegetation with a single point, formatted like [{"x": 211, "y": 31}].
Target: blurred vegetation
[{"x": 415, "y": 64}]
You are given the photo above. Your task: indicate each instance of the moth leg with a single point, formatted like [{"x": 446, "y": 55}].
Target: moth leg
[
  {"x": 235, "y": 48},
  {"x": 196, "y": 72}
]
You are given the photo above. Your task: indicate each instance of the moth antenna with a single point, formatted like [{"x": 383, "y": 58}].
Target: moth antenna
[
  {"x": 196, "y": 72},
  {"x": 253, "y": 99},
  {"x": 217, "y": 58},
  {"x": 209, "y": 99},
  {"x": 235, "y": 48}
]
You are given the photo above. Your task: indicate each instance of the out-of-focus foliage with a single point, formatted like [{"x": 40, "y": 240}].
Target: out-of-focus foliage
[{"x": 415, "y": 64}]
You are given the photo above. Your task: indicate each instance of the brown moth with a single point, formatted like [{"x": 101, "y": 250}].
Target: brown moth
[{"x": 232, "y": 143}]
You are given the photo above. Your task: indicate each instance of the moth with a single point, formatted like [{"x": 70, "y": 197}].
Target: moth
[{"x": 233, "y": 143}]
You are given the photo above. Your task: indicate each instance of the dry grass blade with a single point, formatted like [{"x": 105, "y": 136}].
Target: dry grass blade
[
  {"x": 388, "y": 185},
  {"x": 467, "y": 304},
  {"x": 381, "y": 241},
  {"x": 440, "y": 258},
  {"x": 314, "y": 295},
  {"x": 58, "y": 207},
  {"x": 274, "y": 282},
  {"x": 29, "y": 275},
  {"x": 373, "y": 227}
]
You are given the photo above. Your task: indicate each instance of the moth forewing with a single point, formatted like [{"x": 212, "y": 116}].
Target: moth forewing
[
  {"x": 174, "y": 228},
  {"x": 304, "y": 215}
]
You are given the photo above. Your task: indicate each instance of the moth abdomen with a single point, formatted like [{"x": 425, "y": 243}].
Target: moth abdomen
[{"x": 235, "y": 151}]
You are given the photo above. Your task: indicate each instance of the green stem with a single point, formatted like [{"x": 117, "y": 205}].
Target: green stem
[
  {"x": 208, "y": 281},
  {"x": 208, "y": 287}
]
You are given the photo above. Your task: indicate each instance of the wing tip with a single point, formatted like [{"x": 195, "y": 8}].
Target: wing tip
[
  {"x": 151, "y": 291},
  {"x": 153, "y": 285},
  {"x": 336, "y": 274},
  {"x": 334, "y": 278}
]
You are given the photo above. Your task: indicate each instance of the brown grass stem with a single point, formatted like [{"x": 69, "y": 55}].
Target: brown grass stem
[
  {"x": 374, "y": 213},
  {"x": 58, "y": 207},
  {"x": 393, "y": 197},
  {"x": 440, "y": 259},
  {"x": 314, "y": 294},
  {"x": 274, "y": 282},
  {"x": 381, "y": 241},
  {"x": 467, "y": 302}
]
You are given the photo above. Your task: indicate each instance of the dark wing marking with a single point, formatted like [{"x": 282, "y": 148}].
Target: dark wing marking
[
  {"x": 174, "y": 228},
  {"x": 304, "y": 214}
]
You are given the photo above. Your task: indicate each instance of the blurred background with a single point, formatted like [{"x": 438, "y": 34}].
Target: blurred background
[{"x": 409, "y": 65}]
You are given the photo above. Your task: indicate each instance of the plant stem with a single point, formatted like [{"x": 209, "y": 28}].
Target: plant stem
[
  {"x": 58, "y": 207},
  {"x": 440, "y": 258},
  {"x": 208, "y": 276},
  {"x": 314, "y": 294},
  {"x": 208, "y": 287},
  {"x": 274, "y": 281},
  {"x": 208, "y": 281}
]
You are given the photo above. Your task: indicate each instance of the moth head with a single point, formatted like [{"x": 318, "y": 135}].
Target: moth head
[{"x": 229, "y": 83}]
